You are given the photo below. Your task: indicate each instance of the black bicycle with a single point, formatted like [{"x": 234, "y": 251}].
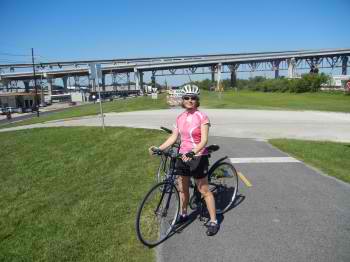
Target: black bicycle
[{"x": 157, "y": 215}]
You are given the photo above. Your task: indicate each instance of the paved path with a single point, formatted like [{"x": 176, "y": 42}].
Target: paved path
[
  {"x": 291, "y": 213},
  {"x": 43, "y": 111},
  {"x": 262, "y": 124}
]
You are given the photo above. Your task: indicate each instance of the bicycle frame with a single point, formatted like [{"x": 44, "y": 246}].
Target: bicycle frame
[
  {"x": 167, "y": 202},
  {"x": 170, "y": 177}
]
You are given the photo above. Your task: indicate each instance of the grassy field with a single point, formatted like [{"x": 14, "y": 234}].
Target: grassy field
[
  {"x": 287, "y": 101},
  {"x": 329, "y": 157},
  {"x": 71, "y": 194}
]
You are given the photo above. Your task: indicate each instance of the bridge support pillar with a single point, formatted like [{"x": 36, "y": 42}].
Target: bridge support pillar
[
  {"x": 212, "y": 76},
  {"x": 141, "y": 82},
  {"x": 65, "y": 83},
  {"x": 49, "y": 86},
  {"x": 218, "y": 84},
  {"x": 128, "y": 80},
  {"x": 277, "y": 73},
  {"x": 76, "y": 83},
  {"x": 92, "y": 85},
  {"x": 137, "y": 79},
  {"x": 103, "y": 80},
  {"x": 153, "y": 81},
  {"x": 291, "y": 67},
  {"x": 233, "y": 78},
  {"x": 2, "y": 84},
  {"x": 6, "y": 84},
  {"x": 344, "y": 65},
  {"x": 276, "y": 68},
  {"x": 233, "y": 68},
  {"x": 26, "y": 85}
]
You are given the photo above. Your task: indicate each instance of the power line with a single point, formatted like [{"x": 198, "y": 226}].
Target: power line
[
  {"x": 10, "y": 54},
  {"x": 14, "y": 61},
  {"x": 7, "y": 58}
]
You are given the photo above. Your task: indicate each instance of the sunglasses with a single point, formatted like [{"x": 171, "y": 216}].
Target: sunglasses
[{"x": 193, "y": 98}]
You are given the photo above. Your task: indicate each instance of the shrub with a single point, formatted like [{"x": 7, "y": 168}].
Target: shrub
[{"x": 307, "y": 83}]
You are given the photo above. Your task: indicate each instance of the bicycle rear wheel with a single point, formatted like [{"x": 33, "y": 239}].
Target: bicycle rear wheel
[
  {"x": 157, "y": 214},
  {"x": 224, "y": 185}
]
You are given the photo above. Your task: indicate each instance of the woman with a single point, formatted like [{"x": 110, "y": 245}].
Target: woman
[{"x": 193, "y": 128}]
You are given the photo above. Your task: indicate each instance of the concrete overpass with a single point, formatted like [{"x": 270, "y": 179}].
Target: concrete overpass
[{"x": 214, "y": 64}]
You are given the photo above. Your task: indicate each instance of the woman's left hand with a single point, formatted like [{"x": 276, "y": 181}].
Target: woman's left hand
[{"x": 185, "y": 158}]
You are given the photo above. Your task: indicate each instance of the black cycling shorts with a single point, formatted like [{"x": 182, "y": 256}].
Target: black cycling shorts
[{"x": 197, "y": 167}]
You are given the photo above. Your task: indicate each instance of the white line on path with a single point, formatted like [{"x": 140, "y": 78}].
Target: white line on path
[{"x": 263, "y": 160}]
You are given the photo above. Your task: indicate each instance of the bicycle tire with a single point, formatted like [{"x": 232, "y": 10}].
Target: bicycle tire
[
  {"x": 157, "y": 214},
  {"x": 224, "y": 185}
]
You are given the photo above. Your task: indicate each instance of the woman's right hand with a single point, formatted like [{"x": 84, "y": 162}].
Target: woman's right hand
[{"x": 151, "y": 150}]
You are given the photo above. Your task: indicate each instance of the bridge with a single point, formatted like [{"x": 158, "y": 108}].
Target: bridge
[{"x": 118, "y": 70}]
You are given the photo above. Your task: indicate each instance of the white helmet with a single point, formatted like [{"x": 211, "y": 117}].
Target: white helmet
[{"x": 190, "y": 89}]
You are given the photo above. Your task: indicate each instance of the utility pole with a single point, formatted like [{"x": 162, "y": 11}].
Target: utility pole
[{"x": 36, "y": 104}]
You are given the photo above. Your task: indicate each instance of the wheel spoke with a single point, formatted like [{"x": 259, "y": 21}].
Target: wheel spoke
[
  {"x": 157, "y": 214},
  {"x": 224, "y": 185}
]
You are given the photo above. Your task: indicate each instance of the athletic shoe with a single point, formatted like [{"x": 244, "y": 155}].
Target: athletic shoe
[
  {"x": 213, "y": 228},
  {"x": 182, "y": 219}
]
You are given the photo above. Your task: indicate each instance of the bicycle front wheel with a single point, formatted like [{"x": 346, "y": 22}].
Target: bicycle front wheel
[
  {"x": 157, "y": 214},
  {"x": 224, "y": 185},
  {"x": 163, "y": 169}
]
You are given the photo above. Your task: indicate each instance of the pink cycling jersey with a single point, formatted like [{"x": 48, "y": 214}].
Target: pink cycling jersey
[{"x": 189, "y": 126}]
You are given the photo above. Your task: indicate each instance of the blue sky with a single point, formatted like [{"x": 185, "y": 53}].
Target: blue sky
[
  {"x": 71, "y": 30},
  {"x": 106, "y": 29}
]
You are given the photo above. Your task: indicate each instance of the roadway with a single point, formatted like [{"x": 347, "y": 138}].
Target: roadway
[
  {"x": 4, "y": 120},
  {"x": 239, "y": 123},
  {"x": 290, "y": 213},
  {"x": 43, "y": 111}
]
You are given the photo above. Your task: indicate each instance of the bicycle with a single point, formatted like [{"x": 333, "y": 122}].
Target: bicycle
[
  {"x": 158, "y": 212},
  {"x": 164, "y": 164}
]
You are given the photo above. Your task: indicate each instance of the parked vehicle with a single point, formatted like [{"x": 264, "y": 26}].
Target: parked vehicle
[{"x": 13, "y": 110}]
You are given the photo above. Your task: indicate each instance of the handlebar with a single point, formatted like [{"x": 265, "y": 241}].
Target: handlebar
[
  {"x": 166, "y": 129},
  {"x": 171, "y": 153}
]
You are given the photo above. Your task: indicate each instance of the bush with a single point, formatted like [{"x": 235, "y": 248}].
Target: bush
[
  {"x": 204, "y": 84},
  {"x": 307, "y": 83}
]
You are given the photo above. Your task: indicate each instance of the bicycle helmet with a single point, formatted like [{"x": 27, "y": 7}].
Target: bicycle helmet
[{"x": 190, "y": 90}]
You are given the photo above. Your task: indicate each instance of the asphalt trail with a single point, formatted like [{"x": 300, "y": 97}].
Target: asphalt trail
[{"x": 291, "y": 213}]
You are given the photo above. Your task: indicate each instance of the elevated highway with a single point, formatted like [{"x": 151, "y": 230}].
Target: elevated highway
[{"x": 213, "y": 64}]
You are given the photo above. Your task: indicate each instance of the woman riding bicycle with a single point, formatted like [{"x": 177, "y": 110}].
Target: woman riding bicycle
[{"x": 193, "y": 128}]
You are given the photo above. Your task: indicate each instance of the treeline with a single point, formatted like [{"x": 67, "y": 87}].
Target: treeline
[{"x": 307, "y": 83}]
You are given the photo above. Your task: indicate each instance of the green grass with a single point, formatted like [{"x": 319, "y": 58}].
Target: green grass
[
  {"x": 258, "y": 100},
  {"x": 330, "y": 157},
  {"x": 71, "y": 194},
  {"x": 132, "y": 104}
]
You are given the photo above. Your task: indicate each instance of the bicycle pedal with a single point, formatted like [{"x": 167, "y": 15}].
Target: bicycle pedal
[{"x": 205, "y": 224}]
